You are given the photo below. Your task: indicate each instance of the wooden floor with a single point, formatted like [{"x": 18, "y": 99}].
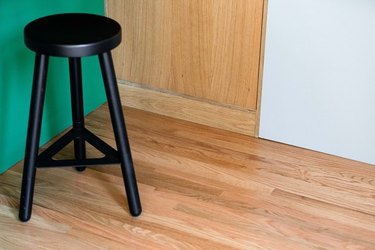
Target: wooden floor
[{"x": 201, "y": 188}]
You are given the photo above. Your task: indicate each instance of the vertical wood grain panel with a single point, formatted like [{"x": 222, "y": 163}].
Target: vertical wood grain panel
[
  {"x": 145, "y": 53},
  {"x": 208, "y": 49},
  {"x": 236, "y": 50}
]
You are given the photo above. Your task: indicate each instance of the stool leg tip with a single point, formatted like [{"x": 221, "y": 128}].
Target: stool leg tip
[
  {"x": 80, "y": 169},
  {"x": 24, "y": 217},
  {"x": 136, "y": 213}
]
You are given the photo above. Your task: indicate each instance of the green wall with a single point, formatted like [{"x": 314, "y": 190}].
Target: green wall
[{"x": 16, "y": 71}]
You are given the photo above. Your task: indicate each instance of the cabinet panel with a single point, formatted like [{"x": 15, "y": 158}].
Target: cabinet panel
[{"x": 208, "y": 49}]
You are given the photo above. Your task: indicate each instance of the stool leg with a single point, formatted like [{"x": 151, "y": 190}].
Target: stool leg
[
  {"x": 77, "y": 107},
  {"x": 33, "y": 136},
  {"x": 121, "y": 136}
]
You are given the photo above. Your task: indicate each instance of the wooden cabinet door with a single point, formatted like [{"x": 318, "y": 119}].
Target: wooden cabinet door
[{"x": 207, "y": 49}]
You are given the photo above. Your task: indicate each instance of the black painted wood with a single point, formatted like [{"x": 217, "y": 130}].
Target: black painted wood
[{"x": 72, "y": 35}]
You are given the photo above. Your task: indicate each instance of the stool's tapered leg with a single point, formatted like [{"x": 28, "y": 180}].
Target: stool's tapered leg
[
  {"x": 121, "y": 136},
  {"x": 77, "y": 107},
  {"x": 33, "y": 136}
]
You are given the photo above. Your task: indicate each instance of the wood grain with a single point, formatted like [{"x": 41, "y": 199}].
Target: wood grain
[
  {"x": 208, "y": 49},
  {"x": 190, "y": 109},
  {"x": 201, "y": 188},
  {"x": 261, "y": 67}
]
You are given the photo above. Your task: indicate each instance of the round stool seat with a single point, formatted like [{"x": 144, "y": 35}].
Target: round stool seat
[{"x": 72, "y": 35}]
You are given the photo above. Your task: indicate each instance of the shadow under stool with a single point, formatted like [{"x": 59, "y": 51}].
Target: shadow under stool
[{"x": 75, "y": 35}]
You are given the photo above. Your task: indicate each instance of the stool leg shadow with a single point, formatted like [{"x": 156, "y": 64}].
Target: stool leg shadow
[
  {"x": 119, "y": 130},
  {"x": 33, "y": 136}
]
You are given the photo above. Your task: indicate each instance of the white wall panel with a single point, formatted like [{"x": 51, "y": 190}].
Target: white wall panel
[{"x": 319, "y": 78}]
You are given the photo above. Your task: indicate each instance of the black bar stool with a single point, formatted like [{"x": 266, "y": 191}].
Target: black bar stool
[{"x": 75, "y": 35}]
